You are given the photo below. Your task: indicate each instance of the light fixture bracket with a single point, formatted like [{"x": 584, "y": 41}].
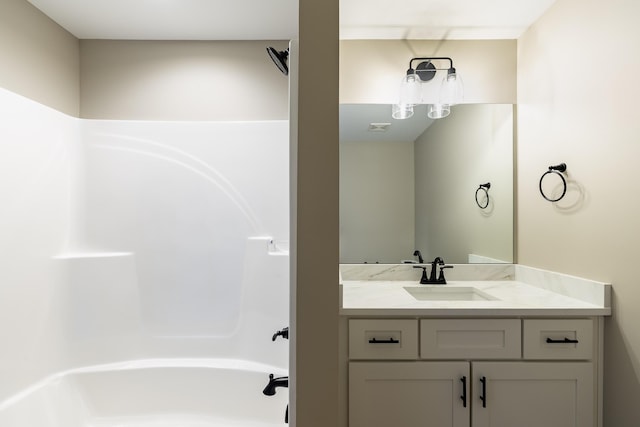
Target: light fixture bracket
[{"x": 426, "y": 71}]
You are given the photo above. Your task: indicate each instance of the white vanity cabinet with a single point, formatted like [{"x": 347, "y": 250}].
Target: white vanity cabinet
[
  {"x": 527, "y": 394},
  {"x": 405, "y": 394},
  {"x": 473, "y": 372}
]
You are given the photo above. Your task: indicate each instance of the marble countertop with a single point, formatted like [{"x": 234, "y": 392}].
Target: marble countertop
[{"x": 526, "y": 292}]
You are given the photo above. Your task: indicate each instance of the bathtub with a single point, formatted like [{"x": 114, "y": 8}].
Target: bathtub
[{"x": 151, "y": 393}]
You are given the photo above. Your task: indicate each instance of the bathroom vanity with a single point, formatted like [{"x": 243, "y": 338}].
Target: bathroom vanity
[{"x": 498, "y": 346}]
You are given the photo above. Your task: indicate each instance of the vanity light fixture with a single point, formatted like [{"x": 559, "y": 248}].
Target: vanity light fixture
[{"x": 450, "y": 91}]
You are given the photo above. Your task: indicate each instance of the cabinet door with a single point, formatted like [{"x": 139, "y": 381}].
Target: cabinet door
[
  {"x": 409, "y": 394},
  {"x": 533, "y": 394}
]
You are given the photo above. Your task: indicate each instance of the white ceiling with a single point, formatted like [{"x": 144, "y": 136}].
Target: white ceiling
[
  {"x": 278, "y": 19},
  {"x": 175, "y": 19},
  {"x": 438, "y": 19}
]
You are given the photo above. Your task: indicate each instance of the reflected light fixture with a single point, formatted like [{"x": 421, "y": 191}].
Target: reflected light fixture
[
  {"x": 401, "y": 111},
  {"x": 438, "y": 111},
  {"x": 449, "y": 93}
]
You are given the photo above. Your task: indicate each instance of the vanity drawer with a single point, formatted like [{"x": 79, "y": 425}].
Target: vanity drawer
[
  {"x": 383, "y": 339},
  {"x": 470, "y": 339},
  {"x": 558, "y": 339}
]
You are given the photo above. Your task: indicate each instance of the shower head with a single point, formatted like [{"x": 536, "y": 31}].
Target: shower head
[{"x": 280, "y": 59}]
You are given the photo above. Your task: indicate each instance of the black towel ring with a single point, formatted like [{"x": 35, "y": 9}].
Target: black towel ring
[
  {"x": 485, "y": 188},
  {"x": 557, "y": 170}
]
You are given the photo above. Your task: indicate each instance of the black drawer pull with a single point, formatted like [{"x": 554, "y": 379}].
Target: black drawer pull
[
  {"x": 564, "y": 341},
  {"x": 389, "y": 341},
  {"x": 464, "y": 391}
]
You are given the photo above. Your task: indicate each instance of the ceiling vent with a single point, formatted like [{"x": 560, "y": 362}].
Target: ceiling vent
[{"x": 379, "y": 127}]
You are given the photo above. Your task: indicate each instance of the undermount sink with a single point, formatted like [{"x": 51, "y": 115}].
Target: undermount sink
[{"x": 444, "y": 293}]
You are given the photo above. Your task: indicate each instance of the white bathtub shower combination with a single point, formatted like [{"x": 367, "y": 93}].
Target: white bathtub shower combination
[
  {"x": 146, "y": 271},
  {"x": 150, "y": 393}
]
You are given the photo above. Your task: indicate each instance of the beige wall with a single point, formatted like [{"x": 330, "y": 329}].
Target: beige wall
[
  {"x": 314, "y": 233},
  {"x": 39, "y": 58},
  {"x": 181, "y": 80},
  {"x": 472, "y": 146},
  {"x": 371, "y": 70},
  {"x": 577, "y": 94},
  {"x": 137, "y": 80},
  {"x": 376, "y": 202}
]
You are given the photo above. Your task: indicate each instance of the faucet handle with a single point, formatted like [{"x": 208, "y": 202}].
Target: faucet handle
[
  {"x": 441, "y": 278},
  {"x": 284, "y": 333},
  {"x": 423, "y": 280}
]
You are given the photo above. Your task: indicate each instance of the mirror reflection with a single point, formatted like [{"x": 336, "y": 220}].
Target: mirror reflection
[{"x": 412, "y": 184}]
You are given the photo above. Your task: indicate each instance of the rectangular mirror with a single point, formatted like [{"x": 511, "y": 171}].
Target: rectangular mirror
[{"x": 412, "y": 184}]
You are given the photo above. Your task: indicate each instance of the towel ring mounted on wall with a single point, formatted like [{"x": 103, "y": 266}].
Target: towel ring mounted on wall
[
  {"x": 556, "y": 170},
  {"x": 485, "y": 188}
]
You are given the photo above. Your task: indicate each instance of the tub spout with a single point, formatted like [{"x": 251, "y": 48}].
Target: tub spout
[{"x": 274, "y": 383}]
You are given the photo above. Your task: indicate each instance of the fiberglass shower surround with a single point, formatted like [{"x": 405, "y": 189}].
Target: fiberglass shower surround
[{"x": 153, "y": 253}]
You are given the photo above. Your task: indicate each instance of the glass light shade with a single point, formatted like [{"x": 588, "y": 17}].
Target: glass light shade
[
  {"x": 451, "y": 90},
  {"x": 410, "y": 90},
  {"x": 438, "y": 111},
  {"x": 401, "y": 111}
]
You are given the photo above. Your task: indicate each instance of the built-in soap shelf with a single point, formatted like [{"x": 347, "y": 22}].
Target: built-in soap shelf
[
  {"x": 275, "y": 247},
  {"x": 84, "y": 255}
]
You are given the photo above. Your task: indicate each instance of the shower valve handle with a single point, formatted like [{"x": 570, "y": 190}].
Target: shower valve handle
[{"x": 284, "y": 333}]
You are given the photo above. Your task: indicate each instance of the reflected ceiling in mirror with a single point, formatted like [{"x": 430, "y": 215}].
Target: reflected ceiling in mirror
[
  {"x": 356, "y": 120},
  {"x": 411, "y": 184}
]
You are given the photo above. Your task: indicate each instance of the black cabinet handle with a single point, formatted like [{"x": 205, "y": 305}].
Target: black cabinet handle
[
  {"x": 464, "y": 391},
  {"x": 564, "y": 341},
  {"x": 389, "y": 341},
  {"x": 483, "y": 396}
]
